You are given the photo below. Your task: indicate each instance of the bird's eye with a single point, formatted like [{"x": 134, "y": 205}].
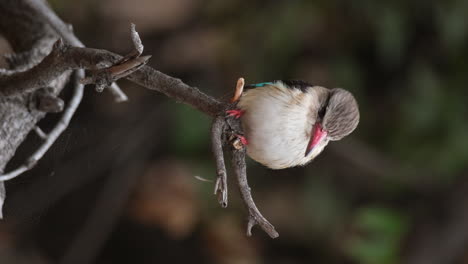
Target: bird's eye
[{"x": 322, "y": 111}]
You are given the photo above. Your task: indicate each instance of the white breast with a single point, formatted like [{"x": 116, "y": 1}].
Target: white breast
[{"x": 277, "y": 124}]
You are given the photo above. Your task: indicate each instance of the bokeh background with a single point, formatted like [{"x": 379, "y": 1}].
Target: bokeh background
[{"x": 119, "y": 186}]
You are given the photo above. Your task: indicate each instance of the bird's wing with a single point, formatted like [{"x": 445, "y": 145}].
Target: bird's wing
[{"x": 292, "y": 84}]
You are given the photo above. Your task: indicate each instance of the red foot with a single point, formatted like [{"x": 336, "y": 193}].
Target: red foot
[
  {"x": 235, "y": 113},
  {"x": 243, "y": 140}
]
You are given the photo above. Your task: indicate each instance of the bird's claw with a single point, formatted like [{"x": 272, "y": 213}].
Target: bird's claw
[
  {"x": 243, "y": 140},
  {"x": 240, "y": 142},
  {"x": 236, "y": 113}
]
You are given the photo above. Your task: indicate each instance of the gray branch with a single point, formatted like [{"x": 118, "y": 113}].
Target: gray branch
[
  {"x": 33, "y": 69},
  {"x": 64, "y": 58},
  {"x": 31, "y": 40},
  {"x": 45, "y": 13},
  {"x": 50, "y": 68},
  {"x": 61, "y": 59},
  {"x": 255, "y": 217},
  {"x": 220, "y": 188},
  {"x": 52, "y": 136}
]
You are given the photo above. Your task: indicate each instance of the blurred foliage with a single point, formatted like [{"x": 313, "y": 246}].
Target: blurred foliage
[
  {"x": 406, "y": 62},
  {"x": 188, "y": 135},
  {"x": 379, "y": 235}
]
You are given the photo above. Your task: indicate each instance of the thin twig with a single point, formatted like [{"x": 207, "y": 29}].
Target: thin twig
[
  {"x": 255, "y": 217},
  {"x": 202, "y": 179},
  {"x": 66, "y": 33},
  {"x": 2, "y": 198},
  {"x": 105, "y": 77},
  {"x": 86, "y": 58},
  {"x": 124, "y": 67},
  {"x": 40, "y": 132},
  {"x": 136, "y": 40},
  {"x": 54, "y": 134},
  {"x": 220, "y": 189},
  {"x": 63, "y": 58}
]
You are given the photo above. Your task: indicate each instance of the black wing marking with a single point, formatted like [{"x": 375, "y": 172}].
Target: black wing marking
[
  {"x": 297, "y": 84},
  {"x": 323, "y": 108}
]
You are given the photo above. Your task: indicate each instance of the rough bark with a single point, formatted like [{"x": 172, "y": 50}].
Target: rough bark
[{"x": 31, "y": 40}]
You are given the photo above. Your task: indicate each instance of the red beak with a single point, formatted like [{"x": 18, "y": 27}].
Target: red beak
[{"x": 317, "y": 135}]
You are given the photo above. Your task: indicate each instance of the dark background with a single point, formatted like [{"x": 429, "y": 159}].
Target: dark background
[{"x": 119, "y": 186}]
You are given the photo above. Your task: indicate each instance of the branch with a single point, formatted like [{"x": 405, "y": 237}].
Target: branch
[
  {"x": 68, "y": 58},
  {"x": 226, "y": 130},
  {"x": 63, "y": 58},
  {"x": 52, "y": 136},
  {"x": 255, "y": 217},
  {"x": 65, "y": 31},
  {"x": 220, "y": 188},
  {"x": 125, "y": 66}
]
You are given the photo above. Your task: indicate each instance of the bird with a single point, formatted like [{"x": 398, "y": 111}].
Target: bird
[{"x": 288, "y": 123}]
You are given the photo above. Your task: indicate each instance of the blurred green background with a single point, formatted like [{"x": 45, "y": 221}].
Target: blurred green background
[{"x": 120, "y": 187}]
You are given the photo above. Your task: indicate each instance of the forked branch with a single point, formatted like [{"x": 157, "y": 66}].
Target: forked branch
[
  {"x": 45, "y": 13},
  {"x": 105, "y": 68},
  {"x": 225, "y": 132},
  {"x": 255, "y": 217},
  {"x": 220, "y": 189},
  {"x": 63, "y": 58}
]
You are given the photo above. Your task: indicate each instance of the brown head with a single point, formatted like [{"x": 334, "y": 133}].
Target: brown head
[
  {"x": 341, "y": 114},
  {"x": 337, "y": 117}
]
